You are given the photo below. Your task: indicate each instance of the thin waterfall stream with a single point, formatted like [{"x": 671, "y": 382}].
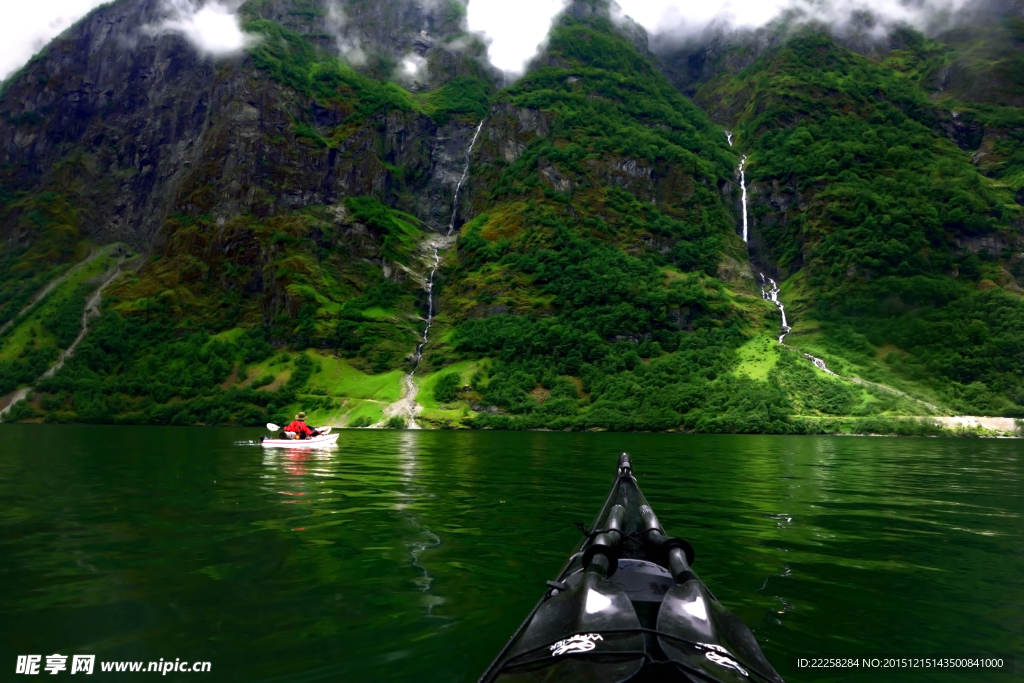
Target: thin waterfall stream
[
  {"x": 438, "y": 244},
  {"x": 770, "y": 292},
  {"x": 743, "y": 186},
  {"x": 769, "y": 288}
]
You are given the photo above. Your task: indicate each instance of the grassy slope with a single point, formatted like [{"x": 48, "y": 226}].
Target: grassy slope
[
  {"x": 56, "y": 243},
  {"x": 32, "y": 329}
]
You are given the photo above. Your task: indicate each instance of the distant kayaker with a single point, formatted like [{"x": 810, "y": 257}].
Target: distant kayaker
[{"x": 299, "y": 428}]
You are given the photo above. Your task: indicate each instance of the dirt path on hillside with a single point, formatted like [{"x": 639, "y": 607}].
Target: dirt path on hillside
[
  {"x": 41, "y": 294},
  {"x": 91, "y": 311},
  {"x": 897, "y": 392}
]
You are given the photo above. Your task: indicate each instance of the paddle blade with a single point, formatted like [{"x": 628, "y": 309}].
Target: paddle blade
[
  {"x": 567, "y": 639},
  {"x": 708, "y": 637},
  {"x": 272, "y": 427}
]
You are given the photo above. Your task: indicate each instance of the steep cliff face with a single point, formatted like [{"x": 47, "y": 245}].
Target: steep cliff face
[
  {"x": 144, "y": 140},
  {"x": 418, "y": 43},
  {"x": 146, "y": 126},
  {"x": 116, "y": 133}
]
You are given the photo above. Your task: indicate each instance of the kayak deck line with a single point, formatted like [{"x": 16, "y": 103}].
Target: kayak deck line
[{"x": 627, "y": 606}]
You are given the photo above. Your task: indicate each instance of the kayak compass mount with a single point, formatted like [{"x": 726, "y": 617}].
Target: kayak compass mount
[{"x": 628, "y": 607}]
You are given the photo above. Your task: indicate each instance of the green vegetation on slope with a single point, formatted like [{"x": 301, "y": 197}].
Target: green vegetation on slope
[
  {"x": 329, "y": 81},
  {"x": 609, "y": 312},
  {"x": 27, "y": 266},
  {"x": 31, "y": 343},
  {"x": 967, "y": 347},
  {"x": 141, "y": 372},
  {"x": 885, "y": 192},
  {"x": 599, "y": 283},
  {"x": 887, "y": 221},
  {"x": 305, "y": 277}
]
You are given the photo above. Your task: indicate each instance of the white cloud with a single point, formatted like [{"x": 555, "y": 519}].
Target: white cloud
[
  {"x": 413, "y": 67},
  {"x": 213, "y": 28},
  {"x": 681, "y": 17},
  {"x": 350, "y": 49},
  {"x": 515, "y": 30},
  {"x": 28, "y": 26}
]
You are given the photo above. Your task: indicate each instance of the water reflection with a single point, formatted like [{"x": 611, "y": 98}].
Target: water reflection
[
  {"x": 422, "y": 538},
  {"x": 298, "y": 463}
]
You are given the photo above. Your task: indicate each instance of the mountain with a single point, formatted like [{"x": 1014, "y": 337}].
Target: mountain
[
  {"x": 243, "y": 237},
  {"x": 888, "y": 193}
]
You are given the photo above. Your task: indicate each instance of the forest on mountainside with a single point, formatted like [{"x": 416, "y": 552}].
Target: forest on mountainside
[
  {"x": 598, "y": 280},
  {"x": 902, "y": 241}
]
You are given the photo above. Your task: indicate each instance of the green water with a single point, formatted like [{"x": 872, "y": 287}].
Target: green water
[{"x": 412, "y": 556}]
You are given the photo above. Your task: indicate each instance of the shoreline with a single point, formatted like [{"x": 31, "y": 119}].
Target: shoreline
[{"x": 966, "y": 431}]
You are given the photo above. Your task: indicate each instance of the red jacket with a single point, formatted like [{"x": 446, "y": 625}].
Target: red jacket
[{"x": 299, "y": 427}]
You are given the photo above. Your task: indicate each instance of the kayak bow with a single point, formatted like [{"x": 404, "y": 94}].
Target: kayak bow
[{"x": 628, "y": 607}]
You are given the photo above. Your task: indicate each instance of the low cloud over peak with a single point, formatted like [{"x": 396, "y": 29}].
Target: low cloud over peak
[
  {"x": 668, "y": 18},
  {"x": 514, "y": 31},
  {"x": 213, "y": 28}
]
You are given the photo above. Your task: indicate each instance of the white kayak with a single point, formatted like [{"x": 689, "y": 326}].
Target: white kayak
[{"x": 325, "y": 439}]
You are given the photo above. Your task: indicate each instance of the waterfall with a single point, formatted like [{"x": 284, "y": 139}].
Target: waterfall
[
  {"x": 772, "y": 294},
  {"x": 743, "y": 183},
  {"x": 819, "y": 363},
  {"x": 437, "y": 244},
  {"x": 769, "y": 288},
  {"x": 769, "y": 292},
  {"x": 743, "y": 186},
  {"x": 465, "y": 170}
]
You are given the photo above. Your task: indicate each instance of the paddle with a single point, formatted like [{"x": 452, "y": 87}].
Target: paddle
[
  {"x": 572, "y": 621},
  {"x": 272, "y": 427}
]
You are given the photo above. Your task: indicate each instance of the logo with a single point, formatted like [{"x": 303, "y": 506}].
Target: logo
[
  {"x": 720, "y": 656},
  {"x": 581, "y": 642}
]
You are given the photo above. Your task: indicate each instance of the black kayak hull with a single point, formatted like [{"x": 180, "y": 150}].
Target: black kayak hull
[{"x": 628, "y": 607}]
